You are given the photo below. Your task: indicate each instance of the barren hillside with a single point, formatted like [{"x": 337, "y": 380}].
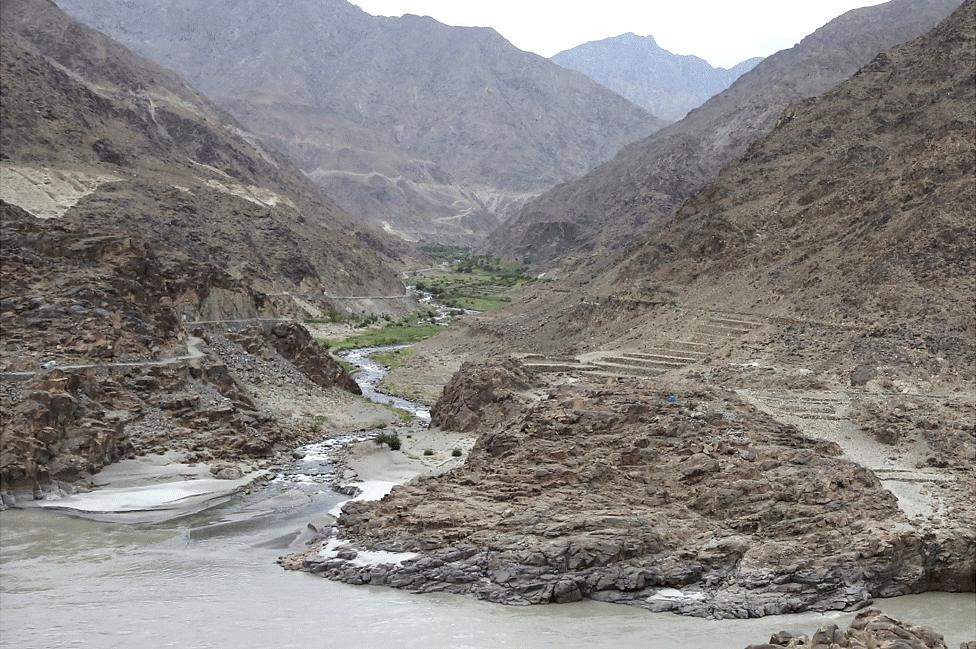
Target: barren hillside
[
  {"x": 432, "y": 131},
  {"x": 588, "y": 222}
]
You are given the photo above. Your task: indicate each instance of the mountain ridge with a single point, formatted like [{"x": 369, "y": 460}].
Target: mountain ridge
[
  {"x": 428, "y": 130},
  {"x": 666, "y": 84},
  {"x": 587, "y": 223}
]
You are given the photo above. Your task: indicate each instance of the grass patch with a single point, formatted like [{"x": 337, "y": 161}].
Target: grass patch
[
  {"x": 394, "y": 334},
  {"x": 394, "y": 358},
  {"x": 477, "y": 302}
]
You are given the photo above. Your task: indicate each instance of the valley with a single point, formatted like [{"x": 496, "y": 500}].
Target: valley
[
  {"x": 226, "y": 549},
  {"x": 385, "y": 332}
]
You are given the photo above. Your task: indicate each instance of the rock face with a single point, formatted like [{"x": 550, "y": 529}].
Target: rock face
[
  {"x": 102, "y": 305},
  {"x": 583, "y": 225},
  {"x": 430, "y": 131},
  {"x": 59, "y": 430},
  {"x": 293, "y": 342},
  {"x": 469, "y": 399},
  {"x": 131, "y": 207},
  {"x": 871, "y": 629},
  {"x": 96, "y": 135},
  {"x": 636, "y": 67},
  {"x": 856, "y": 208},
  {"x": 699, "y": 505}
]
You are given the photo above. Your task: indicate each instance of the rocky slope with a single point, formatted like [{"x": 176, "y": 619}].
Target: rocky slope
[
  {"x": 104, "y": 306},
  {"x": 588, "y": 222},
  {"x": 131, "y": 208},
  {"x": 96, "y": 134},
  {"x": 855, "y": 209},
  {"x": 699, "y": 505},
  {"x": 431, "y": 131},
  {"x": 870, "y": 629},
  {"x": 636, "y": 67},
  {"x": 767, "y": 408}
]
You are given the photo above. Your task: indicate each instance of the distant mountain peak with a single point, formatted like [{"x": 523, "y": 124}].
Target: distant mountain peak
[
  {"x": 666, "y": 84},
  {"x": 632, "y": 36}
]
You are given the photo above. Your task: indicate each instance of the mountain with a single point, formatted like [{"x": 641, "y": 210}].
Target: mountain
[
  {"x": 95, "y": 134},
  {"x": 145, "y": 234},
  {"x": 431, "y": 131},
  {"x": 665, "y": 84},
  {"x": 856, "y": 207},
  {"x": 592, "y": 219},
  {"x": 753, "y": 417}
]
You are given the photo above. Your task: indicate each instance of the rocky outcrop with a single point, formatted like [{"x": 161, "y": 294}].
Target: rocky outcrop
[
  {"x": 477, "y": 395},
  {"x": 60, "y": 429},
  {"x": 696, "y": 504},
  {"x": 948, "y": 427},
  {"x": 105, "y": 306},
  {"x": 65, "y": 425},
  {"x": 871, "y": 629},
  {"x": 294, "y": 342}
]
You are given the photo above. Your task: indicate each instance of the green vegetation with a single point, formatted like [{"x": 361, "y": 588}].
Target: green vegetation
[
  {"x": 393, "y": 334},
  {"x": 441, "y": 253},
  {"x": 356, "y": 320},
  {"x": 456, "y": 452},
  {"x": 390, "y": 439},
  {"x": 346, "y": 365},
  {"x": 477, "y": 303},
  {"x": 491, "y": 265},
  {"x": 476, "y": 282},
  {"x": 394, "y": 358},
  {"x": 428, "y": 451}
]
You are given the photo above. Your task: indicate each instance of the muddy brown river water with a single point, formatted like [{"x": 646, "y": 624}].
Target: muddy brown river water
[{"x": 71, "y": 582}]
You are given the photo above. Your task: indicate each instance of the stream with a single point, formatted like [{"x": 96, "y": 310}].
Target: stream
[
  {"x": 209, "y": 580},
  {"x": 371, "y": 373}
]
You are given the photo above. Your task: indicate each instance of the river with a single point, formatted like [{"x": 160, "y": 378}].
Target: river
[{"x": 210, "y": 581}]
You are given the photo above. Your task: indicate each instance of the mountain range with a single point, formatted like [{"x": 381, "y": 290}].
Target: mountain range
[
  {"x": 97, "y": 139},
  {"x": 430, "y": 131},
  {"x": 665, "y": 84},
  {"x": 593, "y": 219}
]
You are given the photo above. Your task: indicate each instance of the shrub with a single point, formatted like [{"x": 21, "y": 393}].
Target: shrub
[
  {"x": 456, "y": 453},
  {"x": 390, "y": 439},
  {"x": 428, "y": 451}
]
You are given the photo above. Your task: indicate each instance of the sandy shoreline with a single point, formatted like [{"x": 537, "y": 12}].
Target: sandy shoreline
[{"x": 368, "y": 461}]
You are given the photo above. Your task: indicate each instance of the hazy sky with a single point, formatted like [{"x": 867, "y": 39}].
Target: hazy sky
[{"x": 723, "y": 32}]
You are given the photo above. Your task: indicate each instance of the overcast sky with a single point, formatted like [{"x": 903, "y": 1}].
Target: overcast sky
[{"x": 723, "y": 32}]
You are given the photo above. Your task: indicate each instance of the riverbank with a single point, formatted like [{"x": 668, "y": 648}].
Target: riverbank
[
  {"x": 664, "y": 496},
  {"x": 218, "y": 563}
]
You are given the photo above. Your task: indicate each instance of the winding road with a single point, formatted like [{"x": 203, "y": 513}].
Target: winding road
[{"x": 192, "y": 352}]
